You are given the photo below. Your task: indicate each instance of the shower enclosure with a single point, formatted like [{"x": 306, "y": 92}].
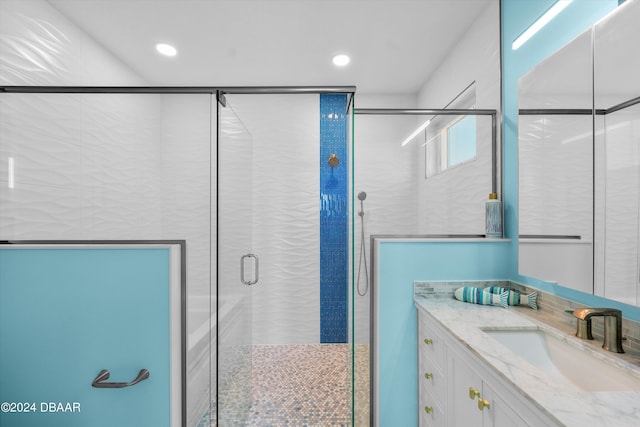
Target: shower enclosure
[
  {"x": 243, "y": 176},
  {"x": 284, "y": 258}
]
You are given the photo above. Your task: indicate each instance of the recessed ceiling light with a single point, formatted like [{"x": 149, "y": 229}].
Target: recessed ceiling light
[
  {"x": 166, "y": 49},
  {"x": 341, "y": 60}
]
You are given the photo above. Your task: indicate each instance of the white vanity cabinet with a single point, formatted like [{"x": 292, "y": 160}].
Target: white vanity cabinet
[
  {"x": 431, "y": 369},
  {"x": 456, "y": 389},
  {"x": 475, "y": 401}
]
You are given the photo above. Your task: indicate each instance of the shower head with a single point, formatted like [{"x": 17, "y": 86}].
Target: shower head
[{"x": 362, "y": 195}]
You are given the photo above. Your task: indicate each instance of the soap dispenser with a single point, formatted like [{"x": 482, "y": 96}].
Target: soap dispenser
[{"x": 493, "y": 217}]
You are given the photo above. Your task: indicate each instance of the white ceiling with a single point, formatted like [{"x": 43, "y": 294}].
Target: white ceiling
[{"x": 394, "y": 44}]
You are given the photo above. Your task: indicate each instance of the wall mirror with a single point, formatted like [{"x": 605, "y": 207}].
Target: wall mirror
[{"x": 579, "y": 162}]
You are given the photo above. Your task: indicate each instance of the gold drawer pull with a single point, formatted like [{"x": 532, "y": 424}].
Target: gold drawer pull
[
  {"x": 473, "y": 393},
  {"x": 483, "y": 403},
  {"x": 428, "y": 341},
  {"x": 428, "y": 375},
  {"x": 428, "y": 409}
]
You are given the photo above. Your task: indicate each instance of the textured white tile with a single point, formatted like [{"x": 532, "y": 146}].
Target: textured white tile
[
  {"x": 39, "y": 46},
  {"x": 556, "y": 175},
  {"x": 285, "y": 223},
  {"x": 453, "y": 201}
]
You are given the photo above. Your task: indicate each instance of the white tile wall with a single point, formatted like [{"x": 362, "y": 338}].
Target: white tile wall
[
  {"x": 387, "y": 173},
  {"x": 286, "y": 223},
  {"x": 453, "y": 202}
]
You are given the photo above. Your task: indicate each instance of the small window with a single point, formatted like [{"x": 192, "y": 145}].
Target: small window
[
  {"x": 461, "y": 141},
  {"x": 451, "y": 140}
]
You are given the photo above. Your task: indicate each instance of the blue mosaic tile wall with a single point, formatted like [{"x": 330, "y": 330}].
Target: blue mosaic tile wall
[{"x": 334, "y": 253}]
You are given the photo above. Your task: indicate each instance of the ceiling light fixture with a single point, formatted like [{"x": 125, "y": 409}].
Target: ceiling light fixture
[
  {"x": 166, "y": 49},
  {"x": 416, "y": 132},
  {"x": 341, "y": 60},
  {"x": 554, "y": 10}
]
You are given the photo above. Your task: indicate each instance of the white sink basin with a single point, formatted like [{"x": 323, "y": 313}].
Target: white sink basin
[{"x": 566, "y": 363}]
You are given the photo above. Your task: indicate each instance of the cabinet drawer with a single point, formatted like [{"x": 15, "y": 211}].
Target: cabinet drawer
[
  {"x": 430, "y": 341},
  {"x": 433, "y": 383},
  {"x": 432, "y": 416}
]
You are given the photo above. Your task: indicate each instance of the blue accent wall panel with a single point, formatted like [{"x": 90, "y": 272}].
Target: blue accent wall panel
[
  {"x": 66, "y": 314},
  {"x": 334, "y": 253},
  {"x": 400, "y": 263}
]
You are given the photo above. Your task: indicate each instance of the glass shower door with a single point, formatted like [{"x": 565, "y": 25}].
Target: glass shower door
[
  {"x": 116, "y": 166},
  {"x": 283, "y": 290},
  {"x": 238, "y": 269}
]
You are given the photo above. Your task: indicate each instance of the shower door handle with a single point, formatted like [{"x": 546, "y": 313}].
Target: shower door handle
[
  {"x": 257, "y": 269},
  {"x": 100, "y": 381}
]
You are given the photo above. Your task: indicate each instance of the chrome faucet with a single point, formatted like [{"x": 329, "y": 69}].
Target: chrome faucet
[{"x": 612, "y": 326}]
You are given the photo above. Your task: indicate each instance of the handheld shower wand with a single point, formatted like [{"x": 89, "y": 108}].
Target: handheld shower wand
[
  {"x": 361, "y": 196},
  {"x": 363, "y": 255}
]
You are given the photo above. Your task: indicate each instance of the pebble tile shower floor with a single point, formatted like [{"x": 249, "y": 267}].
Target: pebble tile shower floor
[{"x": 304, "y": 385}]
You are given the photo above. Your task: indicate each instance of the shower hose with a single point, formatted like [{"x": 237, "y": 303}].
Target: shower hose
[{"x": 363, "y": 256}]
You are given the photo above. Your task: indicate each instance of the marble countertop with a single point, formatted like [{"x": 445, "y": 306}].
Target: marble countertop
[{"x": 564, "y": 404}]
